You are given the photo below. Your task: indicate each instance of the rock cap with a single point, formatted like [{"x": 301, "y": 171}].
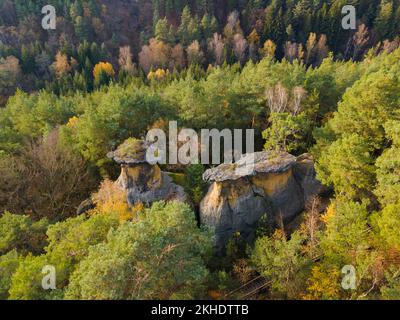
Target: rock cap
[
  {"x": 250, "y": 165},
  {"x": 131, "y": 151}
]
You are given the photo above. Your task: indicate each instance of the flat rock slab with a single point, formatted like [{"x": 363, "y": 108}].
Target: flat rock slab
[{"x": 250, "y": 165}]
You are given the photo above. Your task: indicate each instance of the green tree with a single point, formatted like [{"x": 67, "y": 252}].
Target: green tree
[
  {"x": 110, "y": 118},
  {"x": 162, "y": 30},
  {"x": 287, "y": 132},
  {"x": 160, "y": 257},
  {"x": 281, "y": 260},
  {"x": 194, "y": 181},
  {"x": 347, "y": 164},
  {"x": 388, "y": 167},
  {"x": 386, "y": 225},
  {"x": 384, "y": 22},
  {"x": 21, "y": 233},
  {"x": 8, "y": 264},
  {"x": 69, "y": 242},
  {"x": 26, "y": 281}
]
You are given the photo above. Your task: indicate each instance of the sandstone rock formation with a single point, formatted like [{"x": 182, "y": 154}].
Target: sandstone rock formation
[
  {"x": 278, "y": 185},
  {"x": 144, "y": 182}
]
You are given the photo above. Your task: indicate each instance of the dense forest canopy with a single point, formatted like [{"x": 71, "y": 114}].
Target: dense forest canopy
[
  {"x": 142, "y": 36},
  {"x": 112, "y": 70}
]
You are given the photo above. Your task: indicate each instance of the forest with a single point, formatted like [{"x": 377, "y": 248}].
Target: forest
[{"x": 112, "y": 70}]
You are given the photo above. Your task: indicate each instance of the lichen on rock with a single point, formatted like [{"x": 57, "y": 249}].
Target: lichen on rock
[
  {"x": 251, "y": 165},
  {"x": 131, "y": 151}
]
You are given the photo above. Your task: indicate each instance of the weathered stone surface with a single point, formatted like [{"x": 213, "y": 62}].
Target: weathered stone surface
[
  {"x": 251, "y": 165},
  {"x": 305, "y": 173},
  {"x": 147, "y": 184},
  {"x": 278, "y": 185},
  {"x": 85, "y": 206},
  {"x": 144, "y": 182}
]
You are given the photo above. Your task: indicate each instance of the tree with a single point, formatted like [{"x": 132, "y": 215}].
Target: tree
[
  {"x": 161, "y": 32},
  {"x": 286, "y": 132},
  {"x": 384, "y": 20},
  {"x": 386, "y": 225},
  {"x": 110, "y": 118},
  {"x": 281, "y": 260},
  {"x": 269, "y": 49},
  {"x": 112, "y": 198},
  {"x": 391, "y": 291},
  {"x": 206, "y": 26},
  {"x": 240, "y": 46},
  {"x": 357, "y": 132},
  {"x": 274, "y": 23},
  {"x": 232, "y": 26},
  {"x": 61, "y": 65},
  {"x": 323, "y": 283},
  {"x": 310, "y": 48},
  {"x": 81, "y": 28},
  {"x": 10, "y": 72},
  {"x": 161, "y": 257},
  {"x": 347, "y": 164},
  {"x": 194, "y": 183},
  {"x": 68, "y": 244},
  {"x": 348, "y": 240},
  {"x": 125, "y": 59},
  {"x": 177, "y": 57},
  {"x": 388, "y": 166},
  {"x": 347, "y": 232},
  {"x": 26, "y": 281},
  {"x": 254, "y": 44},
  {"x": 103, "y": 72},
  {"x": 322, "y": 50},
  {"x": 194, "y": 53},
  {"x": 155, "y": 55},
  {"x": 289, "y": 125},
  {"x": 53, "y": 180},
  {"x": 217, "y": 47},
  {"x": 8, "y": 264},
  {"x": 184, "y": 32},
  {"x": 18, "y": 232}
]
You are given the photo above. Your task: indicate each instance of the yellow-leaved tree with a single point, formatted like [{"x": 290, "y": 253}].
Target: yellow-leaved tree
[{"x": 103, "y": 73}]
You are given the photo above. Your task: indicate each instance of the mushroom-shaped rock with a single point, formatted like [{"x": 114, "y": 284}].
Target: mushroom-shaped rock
[
  {"x": 132, "y": 151},
  {"x": 275, "y": 184},
  {"x": 144, "y": 182}
]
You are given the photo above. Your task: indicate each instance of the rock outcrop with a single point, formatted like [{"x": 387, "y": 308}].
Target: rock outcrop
[
  {"x": 144, "y": 182},
  {"x": 277, "y": 185}
]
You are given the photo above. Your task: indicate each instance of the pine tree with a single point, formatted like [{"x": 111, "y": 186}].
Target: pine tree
[
  {"x": 161, "y": 31},
  {"x": 183, "y": 30},
  {"x": 384, "y": 21},
  {"x": 206, "y": 26}
]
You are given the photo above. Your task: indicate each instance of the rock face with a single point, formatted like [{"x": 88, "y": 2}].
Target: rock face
[
  {"x": 277, "y": 184},
  {"x": 144, "y": 182}
]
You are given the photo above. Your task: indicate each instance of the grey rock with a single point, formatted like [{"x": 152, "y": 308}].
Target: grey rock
[
  {"x": 85, "y": 206},
  {"x": 251, "y": 165},
  {"x": 278, "y": 185},
  {"x": 144, "y": 182}
]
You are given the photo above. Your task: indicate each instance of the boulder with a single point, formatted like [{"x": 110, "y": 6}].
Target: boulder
[
  {"x": 85, "y": 206},
  {"x": 276, "y": 184},
  {"x": 144, "y": 182}
]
